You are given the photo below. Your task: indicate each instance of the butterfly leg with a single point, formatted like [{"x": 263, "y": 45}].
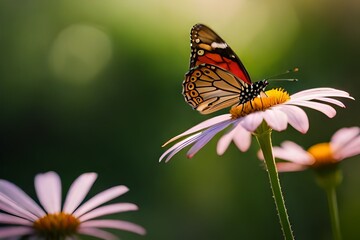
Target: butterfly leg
[
  {"x": 250, "y": 102},
  {"x": 262, "y": 94}
]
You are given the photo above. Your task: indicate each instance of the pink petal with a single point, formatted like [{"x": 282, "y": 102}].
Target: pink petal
[
  {"x": 296, "y": 117},
  {"x": 48, "y": 190},
  {"x": 97, "y": 233},
  {"x": 20, "y": 197},
  {"x": 179, "y": 146},
  {"x": 205, "y": 124},
  {"x": 349, "y": 150},
  {"x": 276, "y": 119},
  {"x": 6, "y": 232},
  {"x": 260, "y": 155},
  {"x": 290, "y": 151},
  {"x": 252, "y": 121},
  {"x": 312, "y": 92},
  {"x": 316, "y": 93},
  {"x": 237, "y": 133},
  {"x": 78, "y": 191},
  {"x": 206, "y": 136},
  {"x": 333, "y": 101},
  {"x": 321, "y": 107},
  {"x": 290, "y": 167},
  {"x": 100, "y": 198},
  {"x": 115, "y": 224},
  {"x": 225, "y": 141},
  {"x": 109, "y": 209},
  {"x": 343, "y": 136},
  {"x": 9, "y": 206},
  {"x": 242, "y": 139},
  {"x": 10, "y": 219}
]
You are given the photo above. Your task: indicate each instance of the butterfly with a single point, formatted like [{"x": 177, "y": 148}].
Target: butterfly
[{"x": 217, "y": 78}]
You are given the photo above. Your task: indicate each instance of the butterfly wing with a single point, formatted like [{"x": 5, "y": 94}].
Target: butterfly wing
[
  {"x": 208, "y": 47},
  {"x": 209, "y": 88}
]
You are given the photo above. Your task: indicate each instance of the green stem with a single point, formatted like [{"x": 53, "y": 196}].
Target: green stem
[
  {"x": 334, "y": 213},
  {"x": 329, "y": 178},
  {"x": 263, "y": 136}
]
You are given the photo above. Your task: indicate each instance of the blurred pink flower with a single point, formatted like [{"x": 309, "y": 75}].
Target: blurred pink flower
[
  {"x": 344, "y": 143},
  {"x": 23, "y": 217},
  {"x": 276, "y": 108}
]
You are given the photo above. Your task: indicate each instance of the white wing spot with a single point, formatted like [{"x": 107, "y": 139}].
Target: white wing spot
[
  {"x": 197, "y": 40},
  {"x": 218, "y": 45},
  {"x": 200, "y": 52}
]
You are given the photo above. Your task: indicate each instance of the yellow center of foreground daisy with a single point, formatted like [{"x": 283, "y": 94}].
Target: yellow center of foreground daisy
[
  {"x": 322, "y": 154},
  {"x": 56, "y": 226},
  {"x": 273, "y": 97}
]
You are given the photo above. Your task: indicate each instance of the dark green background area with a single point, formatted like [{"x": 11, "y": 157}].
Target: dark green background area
[{"x": 56, "y": 116}]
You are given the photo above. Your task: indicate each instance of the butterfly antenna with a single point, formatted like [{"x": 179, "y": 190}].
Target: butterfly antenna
[{"x": 275, "y": 77}]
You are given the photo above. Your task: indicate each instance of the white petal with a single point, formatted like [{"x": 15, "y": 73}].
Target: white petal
[
  {"x": 205, "y": 124},
  {"x": 240, "y": 136},
  {"x": 290, "y": 151},
  {"x": 78, "y": 191},
  {"x": 321, "y": 107},
  {"x": 290, "y": 167},
  {"x": 109, "y": 209},
  {"x": 100, "y": 198},
  {"x": 20, "y": 197},
  {"x": 6, "y": 232},
  {"x": 252, "y": 121},
  {"x": 115, "y": 224},
  {"x": 179, "y": 146},
  {"x": 260, "y": 155},
  {"x": 296, "y": 117},
  {"x": 94, "y": 232},
  {"x": 225, "y": 141},
  {"x": 206, "y": 136},
  {"x": 349, "y": 150},
  {"x": 333, "y": 101},
  {"x": 315, "y": 93},
  {"x": 242, "y": 139},
  {"x": 312, "y": 91},
  {"x": 10, "y": 219},
  {"x": 9, "y": 206},
  {"x": 235, "y": 134},
  {"x": 48, "y": 190},
  {"x": 343, "y": 136},
  {"x": 276, "y": 119}
]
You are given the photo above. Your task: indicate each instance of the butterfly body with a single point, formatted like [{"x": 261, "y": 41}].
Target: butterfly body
[{"x": 217, "y": 78}]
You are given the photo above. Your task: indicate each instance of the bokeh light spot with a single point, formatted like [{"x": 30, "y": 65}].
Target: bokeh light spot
[{"x": 80, "y": 53}]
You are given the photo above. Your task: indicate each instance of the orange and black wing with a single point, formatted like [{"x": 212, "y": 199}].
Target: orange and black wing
[
  {"x": 208, "y": 47},
  {"x": 208, "y": 88}
]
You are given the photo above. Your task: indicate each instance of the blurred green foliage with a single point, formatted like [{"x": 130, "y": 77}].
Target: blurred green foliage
[{"x": 96, "y": 86}]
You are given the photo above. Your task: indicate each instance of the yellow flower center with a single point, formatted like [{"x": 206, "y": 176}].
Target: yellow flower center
[
  {"x": 56, "y": 226},
  {"x": 322, "y": 154},
  {"x": 273, "y": 97}
]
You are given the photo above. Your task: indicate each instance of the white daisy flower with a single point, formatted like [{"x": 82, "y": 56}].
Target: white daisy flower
[
  {"x": 344, "y": 143},
  {"x": 277, "y": 109},
  {"x": 22, "y": 217}
]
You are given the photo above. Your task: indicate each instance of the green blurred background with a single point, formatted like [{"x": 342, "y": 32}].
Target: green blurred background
[{"x": 96, "y": 86}]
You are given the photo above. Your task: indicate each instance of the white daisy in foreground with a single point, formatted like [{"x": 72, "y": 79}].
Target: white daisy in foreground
[
  {"x": 277, "y": 109},
  {"x": 22, "y": 217},
  {"x": 344, "y": 143}
]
